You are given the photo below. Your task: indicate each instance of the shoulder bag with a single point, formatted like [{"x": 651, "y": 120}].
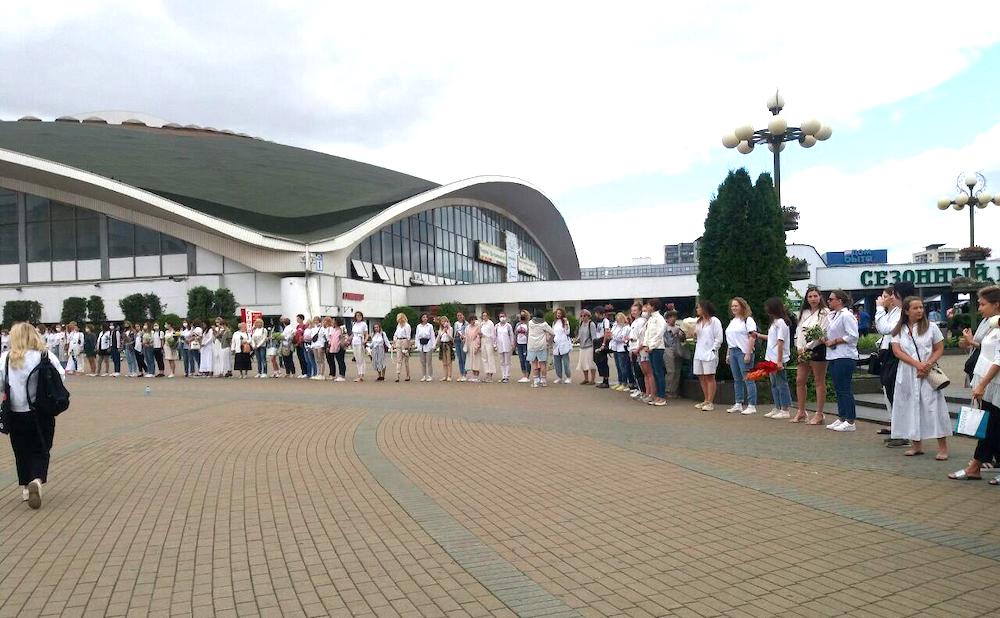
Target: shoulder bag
[
  {"x": 936, "y": 377},
  {"x": 5, "y": 410}
]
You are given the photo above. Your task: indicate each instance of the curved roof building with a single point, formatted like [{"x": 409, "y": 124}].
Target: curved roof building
[{"x": 85, "y": 202}]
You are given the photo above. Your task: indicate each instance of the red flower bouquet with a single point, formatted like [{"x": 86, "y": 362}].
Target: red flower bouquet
[{"x": 761, "y": 370}]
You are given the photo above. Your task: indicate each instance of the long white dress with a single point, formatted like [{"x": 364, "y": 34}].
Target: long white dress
[
  {"x": 207, "y": 350},
  {"x": 222, "y": 361},
  {"x": 488, "y": 332},
  {"x": 918, "y": 411}
]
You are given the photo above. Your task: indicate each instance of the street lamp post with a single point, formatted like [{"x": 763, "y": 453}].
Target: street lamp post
[
  {"x": 745, "y": 137},
  {"x": 972, "y": 193}
]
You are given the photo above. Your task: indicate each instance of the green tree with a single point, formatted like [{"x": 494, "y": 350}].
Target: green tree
[
  {"x": 153, "y": 306},
  {"x": 74, "y": 309},
  {"x": 223, "y": 303},
  {"x": 95, "y": 310},
  {"x": 389, "y": 321},
  {"x": 450, "y": 310},
  {"x": 171, "y": 318},
  {"x": 200, "y": 300},
  {"x": 742, "y": 252},
  {"x": 21, "y": 311},
  {"x": 574, "y": 322},
  {"x": 133, "y": 308}
]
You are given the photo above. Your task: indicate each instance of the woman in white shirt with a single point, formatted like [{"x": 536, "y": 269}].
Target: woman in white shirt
[
  {"x": 425, "y": 345},
  {"x": 505, "y": 346},
  {"x": 619, "y": 347},
  {"x": 103, "y": 351},
  {"x": 446, "y": 347},
  {"x": 779, "y": 345},
  {"x": 221, "y": 362},
  {"x": 562, "y": 345},
  {"x": 813, "y": 313},
  {"x": 171, "y": 347},
  {"x": 488, "y": 332},
  {"x": 842, "y": 353},
  {"x": 378, "y": 345},
  {"x": 242, "y": 347},
  {"x": 74, "y": 348},
  {"x": 521, "y": 336},
  {"x": 31, "y": 434},
  {"x": 359, "y": 337},
  {"x": 402, "y": 341},
  {"x": 259, "y": 340},
  {"x": 473, "y": 347},
  {"x": 708, "y": 340},
  {"x": 985, "y": 384},
  {"x": 741, "y": 337},
  {"x": 317, "y": 345},
  {"x": 918, "y": 411},
  {"x": 207, "y": 335}
]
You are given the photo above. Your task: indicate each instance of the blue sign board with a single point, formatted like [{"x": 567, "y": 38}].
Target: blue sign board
[{"x": 857, "y": 256}]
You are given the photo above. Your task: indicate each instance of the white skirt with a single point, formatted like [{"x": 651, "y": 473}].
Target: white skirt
[
  {"x": 586, "y": 360},
  {"x": 206, "y": 358},
  {"x": 489, "y": 358}
]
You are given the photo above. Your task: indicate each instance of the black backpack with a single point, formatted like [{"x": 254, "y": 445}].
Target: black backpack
[{"x": 51, "y": 397}]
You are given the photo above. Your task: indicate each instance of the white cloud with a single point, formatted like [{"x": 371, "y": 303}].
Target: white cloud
[{"x": 893, "y": 204}]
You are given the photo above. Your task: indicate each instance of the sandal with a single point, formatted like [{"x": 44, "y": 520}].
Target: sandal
[
  {"x": 913, "y": 453},
  {"x": 817, "y": 419},
  {"x": 799, "y": 418},
  {"x": 961, "y": 475},
  {"x": 994, "y": 481},
  {"x": 941, "y": 457}
]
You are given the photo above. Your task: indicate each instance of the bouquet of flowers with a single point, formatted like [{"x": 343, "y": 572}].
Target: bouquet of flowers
[
  {"x": 277, "y": 337},
  {"x": 689, "y": 326},
  {"x": 761, "y": 370},
  {"x": 813, "y": 336},
  {"x": 170, "y": 341},
  {"x": 147, "y": 339}
]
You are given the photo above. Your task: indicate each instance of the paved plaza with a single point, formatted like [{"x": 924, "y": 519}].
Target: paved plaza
[{"x": 292, "y": 497}]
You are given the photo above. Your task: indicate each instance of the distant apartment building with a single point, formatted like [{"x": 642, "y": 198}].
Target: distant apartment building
[
  {"x": 682, "y": 253},
  {"x": 933, "y": 254}
]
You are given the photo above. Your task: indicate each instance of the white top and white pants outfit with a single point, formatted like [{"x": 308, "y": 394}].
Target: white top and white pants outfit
[
  {"x": 359, "y": 333},
  {"x": 505, "y": 347},
  {"x": 425, "y": 344},
  {"x": 708, "y": 340},
  {"x": 402, "y": 342},
  {"x": 918, "y": 411},
  {"x": 488, "y": 333}
]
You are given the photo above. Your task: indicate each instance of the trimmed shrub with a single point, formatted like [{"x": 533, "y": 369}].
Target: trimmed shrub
[
  {"x": 21, "y": 311},
  {"x": 74, "y": 309},
  {"x": 389, "y": 321},
  {"x": 95, "y": 310}
]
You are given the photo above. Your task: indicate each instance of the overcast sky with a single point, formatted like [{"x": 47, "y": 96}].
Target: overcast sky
[{"x": 614, "y": 110}]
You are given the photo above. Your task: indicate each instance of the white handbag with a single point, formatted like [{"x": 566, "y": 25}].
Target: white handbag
[
  {"x": 972, "y": 422},
  {"x": 936, "y": 377}
]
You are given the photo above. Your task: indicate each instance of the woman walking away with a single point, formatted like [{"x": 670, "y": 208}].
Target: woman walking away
[
  {"x": 425, "y": 345},
  {"x": 741, "y": 337},
  {"x": 561, "y": 346},
  {"x": 378, "y": 345},
  {"x": 402, "y": 341},
  {"x": 488, "y": 332},
  {"x": 708, "y": 340},
  {"x": 779, "y": 346},
  {"x": 505, "y": 346},
  {"x": 473, "y": 348},
  {"x": 31, "y": 433},
  {"x": 539, "y": 335},
  {"x": 985, "y": 383},
  {"x": 359, "y": 338},
  {"x": 259, "y": 340},
  {"x": 242, "y": 348},
  {"x": 446, "y": 347},
  {"x": 619, "y": 347},
  {"x": 841, "y": 343},
  {"x": 338, "y": 345},
  {"x": 585, "y": 359},
  {"x": 521, "y": 336},
  {"x": 918, "y": 411},
  {"x": 812, "y": 355}
]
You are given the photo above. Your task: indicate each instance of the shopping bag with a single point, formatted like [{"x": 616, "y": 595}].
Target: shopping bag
[{"x": 972, "y": 422}]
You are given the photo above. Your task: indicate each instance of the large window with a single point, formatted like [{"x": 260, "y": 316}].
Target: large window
[
  {"x": 129, "y": 240},
  {"x": 8, "y": 227},
  {"x": 442, "y": 242},
  {"x": 59, "y": 232}
]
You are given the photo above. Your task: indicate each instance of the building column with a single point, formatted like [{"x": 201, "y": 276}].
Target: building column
[{"x": 299, "y": 295}]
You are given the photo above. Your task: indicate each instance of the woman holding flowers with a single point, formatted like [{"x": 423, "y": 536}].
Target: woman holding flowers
[
  {"x": 741, "y": 338},
  {"x": 778, "y": 352},
  {"x": 814, "y": 319}
]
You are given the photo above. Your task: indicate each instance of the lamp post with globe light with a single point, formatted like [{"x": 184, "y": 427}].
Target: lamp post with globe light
[
  {"x": 745, "y": 137},
  {"x": 972, "y": 193}
]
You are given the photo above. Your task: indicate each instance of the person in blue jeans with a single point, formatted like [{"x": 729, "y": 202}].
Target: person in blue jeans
[
  {"x": 653, "y": 344},
  {"x": 778, "y": 352},
  {"x": 841, "y": 343},
  {"x": 741, "y": 338},
  {"x": 459, "y": 334}
]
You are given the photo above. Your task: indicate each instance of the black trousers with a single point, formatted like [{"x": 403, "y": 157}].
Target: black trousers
[
  {"x": 300, "y": 352},
  {"x": 140, "y": 360},
  {"x": 288, "y": 363},
  {"x": 601, "y": 360},
  {"x": 158, "y": 357},
  {"x": 639, "y": 378},
  {"x": 341, "y": 368},
  {"x": 989, "y": 447},
  {"x": 31, "y": 443}
]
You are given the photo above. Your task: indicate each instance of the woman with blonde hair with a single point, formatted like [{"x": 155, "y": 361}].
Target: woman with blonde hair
[
  {"x": 741, "y": 338},
  {"x": 402, "y": 341},
  {"x": 446, "y": 346},
  {"x": 31, "y": 434},
  {"x": 258, "y": 340}
]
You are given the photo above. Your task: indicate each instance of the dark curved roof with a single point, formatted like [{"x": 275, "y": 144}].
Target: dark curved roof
[{"x": 275, "y": 189}]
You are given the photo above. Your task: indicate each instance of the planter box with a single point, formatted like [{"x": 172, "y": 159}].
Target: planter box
[{"x": 725, "y": 393}]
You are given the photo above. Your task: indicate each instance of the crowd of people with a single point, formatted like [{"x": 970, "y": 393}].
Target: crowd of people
[{"x": 647, "y": 346}]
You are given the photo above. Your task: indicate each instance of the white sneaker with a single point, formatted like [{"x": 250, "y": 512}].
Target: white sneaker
[
  {"x": 340, "y": 379},
  {"x": 845, "y": 426},
  {"x": 708, "y": 407},
  {"x": 522, "y": 380},
  {"x": 303, "y": 376},
  {"x": 736, "y": 408},
  {"x": 462, "y": 379},
  {"x": 749, "y": 410},
  {"x": 317, "y": 378},
  {"x": 534, "y": 385},
  {"x": 557, "y": 381},
  {"x": 781, "y": 414},
  {"x": 170, "y": 376},
  {"x": 35, "y": 494},
  {"x": 443, "y": 380},
  {"x": 567, "y": 381},
  {"x": 104, "y": 375},
  {"x": 771, "y": 413},
  {"x": 835, "y": 424},
  {"x": 24, "y": 494},
  {"x": 544, "y": 383}
]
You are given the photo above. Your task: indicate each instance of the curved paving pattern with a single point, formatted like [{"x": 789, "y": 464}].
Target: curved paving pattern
[{"x": 281, "y": 497}]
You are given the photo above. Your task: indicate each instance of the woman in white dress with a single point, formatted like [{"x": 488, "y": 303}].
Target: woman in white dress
[
  {"x": 918, "y": 411},
  {"x": 74, "y": 347},
  {"x": 488, "y": 332},
  {"x": 207, "y": 335},
  {"x": 473, "y": 348},
  {"x": 359, "y": 338},
  {"x": 505, "y": 346},
  {"x": 561, "y": 346}
]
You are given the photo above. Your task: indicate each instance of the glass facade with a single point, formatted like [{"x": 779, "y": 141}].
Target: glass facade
[
  {"x": 640, "y": 270},
  {"x": 54, "y": 232},
  {"x": 442, "y": 242}
]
